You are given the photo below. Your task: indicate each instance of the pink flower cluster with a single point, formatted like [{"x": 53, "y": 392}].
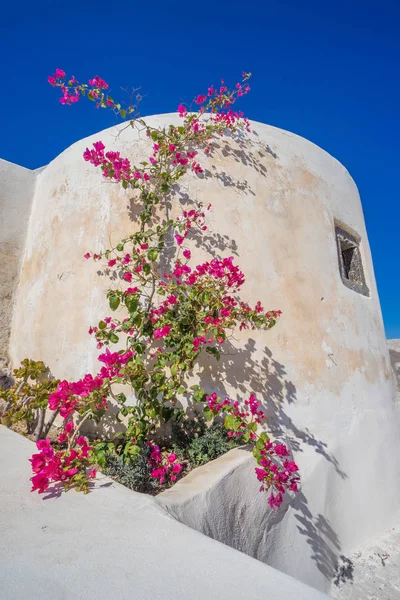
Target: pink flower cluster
[
  {"x": 224, "y": 270},
  {"x": 97, "y": 82},
  {"x": 72, "y": 89},
  {"x": 178, "y": 157},
  {"x": 230, "y": 119},
  {"x": 67, "y": 395},
  {"x": 69, "y": 95},
  {"x": 276, "y": 473},
  {"x": 113, "y": 166},
  {"x": 244, "y": 414},
  {"x": 114, "y": 361},
  {"x": 49, "y": 465},
  {"x": 160, "y": 333},
  {"x": 164, "y": 468}
]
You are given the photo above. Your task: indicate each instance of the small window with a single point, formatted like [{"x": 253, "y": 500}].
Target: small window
[{"x": 350, "y": 262}]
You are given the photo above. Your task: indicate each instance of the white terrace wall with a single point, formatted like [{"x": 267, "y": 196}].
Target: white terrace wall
[
  {"x": 323, "y": 372},
  {"x": 16, "y": 193}
]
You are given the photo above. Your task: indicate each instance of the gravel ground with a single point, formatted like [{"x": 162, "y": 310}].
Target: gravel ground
[{"x": 371, "y": 573}]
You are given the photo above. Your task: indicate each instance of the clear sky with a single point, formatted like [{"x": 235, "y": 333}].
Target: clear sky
[{"x": 326, "y": 70}]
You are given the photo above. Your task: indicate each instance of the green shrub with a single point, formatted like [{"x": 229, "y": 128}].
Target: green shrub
[
  {"x": 135, "y": 473},
  {"x": 213, "y": 443}
]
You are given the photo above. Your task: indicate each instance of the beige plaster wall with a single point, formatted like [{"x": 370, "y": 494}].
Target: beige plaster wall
[
  {"x": 16, "y": 194},
  {"x": 323, "y": 372}
]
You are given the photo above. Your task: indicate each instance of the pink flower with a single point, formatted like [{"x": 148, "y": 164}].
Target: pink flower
[
  {"x": 69, "y": 426},
  {"x": 92, "y": 474},
  {"x": 40, "y": 482},
  {"x": 187, "y": 254},
  {"x": 99, "y": 146},
  {"x": 45, "y": 447},
  {"x": 182, "y": 110},
  {"x": 159, "y": 333},
  {"x": 112, "y": 262},
  {"x": 72, "y": 472},
  {"x": 98, "y": 82},
  {"x": 171, "y": 147},
  {"x": 127, "y": 277},
  {"x": 179, "y": 239},
  {"x": 38, "y": 462},
  {"x": 275, "y": 501},
  {"x": 172, "y": 458},
  {"x": 51, "y": 80},
  {"x": 87, "y": 255},
  {"x": 172, "y": 299},
  {"x": 60, "y": 73},
  {"x": 200, "y": 99},
  {"x": 281, "y": 450}
]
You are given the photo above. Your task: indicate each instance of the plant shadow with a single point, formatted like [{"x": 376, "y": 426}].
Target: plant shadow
[{"x": 242, "y": 369}]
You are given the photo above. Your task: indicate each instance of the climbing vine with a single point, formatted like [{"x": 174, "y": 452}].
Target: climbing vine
[{"x": 162, "y": 319}]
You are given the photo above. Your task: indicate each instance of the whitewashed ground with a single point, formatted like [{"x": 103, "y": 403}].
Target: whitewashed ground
[{"x": 374, "y": 572}]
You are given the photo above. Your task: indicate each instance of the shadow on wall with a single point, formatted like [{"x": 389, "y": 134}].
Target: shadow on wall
[{"x": 267, "y": 378}]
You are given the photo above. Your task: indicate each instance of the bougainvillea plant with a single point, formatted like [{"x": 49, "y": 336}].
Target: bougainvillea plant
[{"x": 161, "y": 321}]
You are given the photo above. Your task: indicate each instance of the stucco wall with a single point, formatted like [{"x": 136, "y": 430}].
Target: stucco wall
[
  {"x": 323, "y": 372},
  {"x": 394, "y": 352},
  {"x": 16, "y": 194}
]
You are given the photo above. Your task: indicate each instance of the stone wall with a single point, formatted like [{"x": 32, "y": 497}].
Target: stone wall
[{"x": 16, "y": 194}]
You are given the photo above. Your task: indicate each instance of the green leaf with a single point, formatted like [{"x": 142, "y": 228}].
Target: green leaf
[
  {"x": 131, "y": 302},
  {"x": 260, "y": 443},
  {"x": 101, "y": 458},
  {"x": 199, "y": 395},
  {"x": 120, "y": 247},
  {"x": 114, "y": 301},
  {"x": 214, "y": 351},
  {"x": 122, "y": 112},
  {"x": 229, "y": 422},
  {"x": 114, "y": 338},
  {"x": 121, "y": 398},
  {"x": 152, "y": 254},
  {"x": 102, "y": 325},
  {"x": 208, "y": 414},
  {"x": 252, "y": 427}
]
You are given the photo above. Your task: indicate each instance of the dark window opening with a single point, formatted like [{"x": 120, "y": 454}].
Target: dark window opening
[{"x": 350, "y": 262}]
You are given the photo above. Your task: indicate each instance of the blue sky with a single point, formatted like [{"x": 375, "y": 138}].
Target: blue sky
[{"x": 328, "y": 71}]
